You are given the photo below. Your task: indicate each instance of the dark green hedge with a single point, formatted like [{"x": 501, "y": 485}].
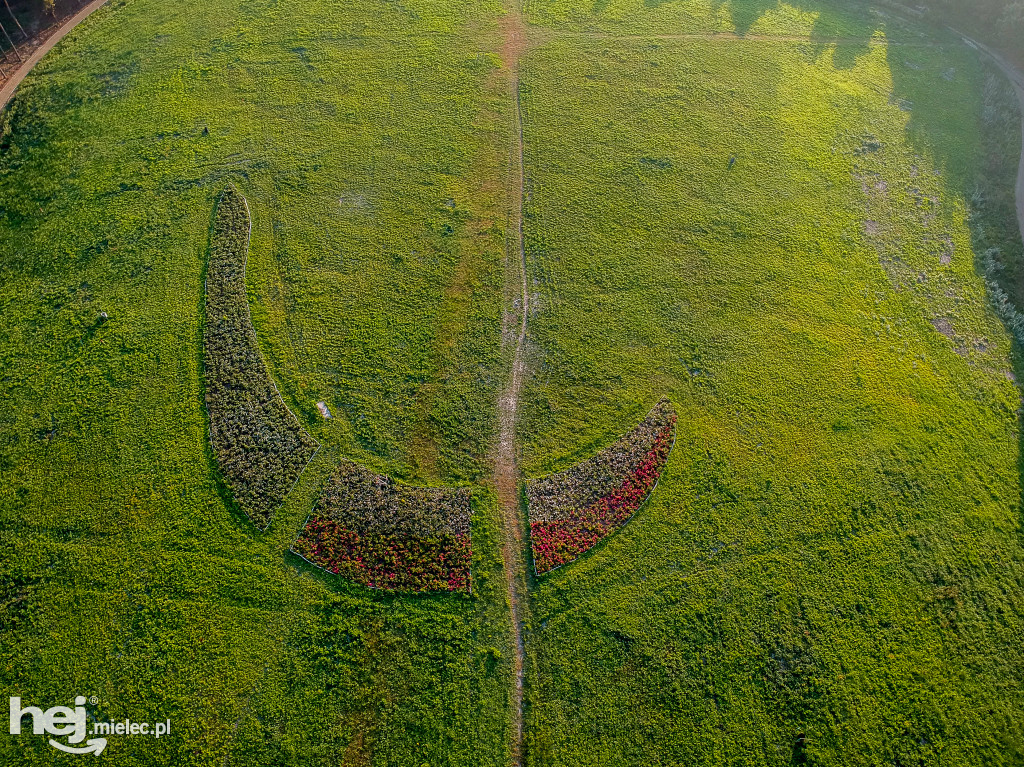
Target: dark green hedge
[{"x": 258, "y": 443}]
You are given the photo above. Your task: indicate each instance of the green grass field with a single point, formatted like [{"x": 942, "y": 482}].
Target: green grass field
[
  {"x": 831, "y": 569},
  {"x": 834, "y": 552},
  {"x": 375, "y": 281}
]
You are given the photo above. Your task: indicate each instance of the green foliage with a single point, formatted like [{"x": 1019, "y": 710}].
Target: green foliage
[
  {"x": 128, "y": 576},
  {"x": 556, "y": 495},
  {"x": 364, "y": 501},
  {"x": 831, "y": 568},
  {"x": 559, "y": 541},
  {"x": 259, "y": 445},
  {"x": 406, "y": 563}
]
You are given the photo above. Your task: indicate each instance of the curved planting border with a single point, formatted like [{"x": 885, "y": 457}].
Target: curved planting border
[
  {"x": 385, "y": 535},
  {"x": 571, "y": 511},
  {"x": 259, "y": 444}
]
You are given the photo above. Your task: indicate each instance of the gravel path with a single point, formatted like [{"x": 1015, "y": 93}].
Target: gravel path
[{"x": 8, "y": 89}]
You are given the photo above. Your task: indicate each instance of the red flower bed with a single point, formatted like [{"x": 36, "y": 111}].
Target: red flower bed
[
  {"x": 570, "y": 512},
  {"x": 377, "y": 532},
  {"x": 387, "y": 562}
]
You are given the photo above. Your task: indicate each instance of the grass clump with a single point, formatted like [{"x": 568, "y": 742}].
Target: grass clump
[{"x": 259, "y": 445}]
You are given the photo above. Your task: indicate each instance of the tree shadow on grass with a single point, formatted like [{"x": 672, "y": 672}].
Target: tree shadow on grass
[
  {"x": 938, "y": 112},
  {"x": 962, "y": 119},
  {"x": 945, "y": 111},
  {"x": 971, "y": 99},
  {"x": 832, "y": 25}
]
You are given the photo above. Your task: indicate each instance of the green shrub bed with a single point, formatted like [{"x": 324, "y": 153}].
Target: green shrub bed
[
  {"x": 258, "y": 443},
  {"x": 372, "y": 530},
  {"x": 572, "y": 510}
]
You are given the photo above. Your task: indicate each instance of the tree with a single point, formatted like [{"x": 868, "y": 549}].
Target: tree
[
  {"x": 10, "y": 41},
  {"x": 22, "y": 30}
]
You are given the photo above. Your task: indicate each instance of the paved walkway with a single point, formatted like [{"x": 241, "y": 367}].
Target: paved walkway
[{"x": 8, "y": 89}]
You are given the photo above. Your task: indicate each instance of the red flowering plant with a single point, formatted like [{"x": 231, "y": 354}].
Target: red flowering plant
[
  {"x": 372, "y": 530},
  {"x": 572, "y": 510}
]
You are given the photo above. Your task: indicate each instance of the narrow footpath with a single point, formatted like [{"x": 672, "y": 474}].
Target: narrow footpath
[{"x": 517, "y": 310}]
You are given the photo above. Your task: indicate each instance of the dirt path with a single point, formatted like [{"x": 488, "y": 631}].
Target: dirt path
[
  {"x": 514, "y": 319},
  {"x": 734, "y": 37},
  {"x": 1017, "y": 79},
  {"x": 506, "y": 471},
  {"x": 9, "y": 87}
]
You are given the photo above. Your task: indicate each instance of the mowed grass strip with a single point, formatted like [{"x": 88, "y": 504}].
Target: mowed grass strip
[{"x": 260, "y": 447}]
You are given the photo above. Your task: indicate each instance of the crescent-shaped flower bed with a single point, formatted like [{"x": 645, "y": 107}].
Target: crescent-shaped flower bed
[
  {"x": 372, "y": 530},
  {"x": 572, "y": 510},
  {"x": 258, "y": 443}
]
